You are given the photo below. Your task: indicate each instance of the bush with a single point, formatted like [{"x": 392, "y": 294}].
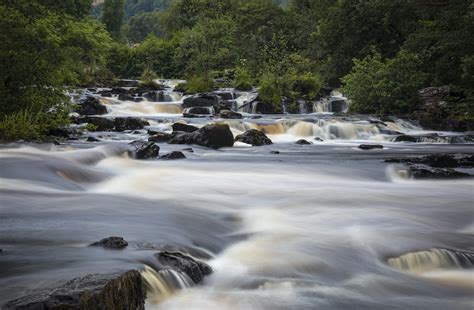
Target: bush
[
  {"x": 200, "y": 84},
  {"x": 385, "y": 87},
  {"x": 243, "y": 79}
]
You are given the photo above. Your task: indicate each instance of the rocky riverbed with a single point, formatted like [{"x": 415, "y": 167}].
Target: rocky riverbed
[{"x": 235, "y": 212}]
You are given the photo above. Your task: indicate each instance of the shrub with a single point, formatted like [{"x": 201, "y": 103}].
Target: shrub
[
  {"x": 200, "y": 84},
  {"x": 243, "y": 79}
]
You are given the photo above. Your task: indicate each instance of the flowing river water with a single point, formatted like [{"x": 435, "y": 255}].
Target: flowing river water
[{"x": 321, "y": 226}]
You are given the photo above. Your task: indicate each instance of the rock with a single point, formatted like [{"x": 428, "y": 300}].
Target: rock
[
  {"x": 303, "y": 142},
  {"x": 160, "y": 137},
  {"x": 145, "y": 150},
  {"x": 125, "y": 97},
  {"x": 92, "y": 139},
  {"x": 227, "y": 114},
  {"x": 173, "y": 155},
  {"x": 60, "y": 132},
  {"x": 129, "y": 123},
  {"x": 113, "y": 242},
  {"x": 101, "y": 123},
  {"x": 212, "y": 135},
  {"x": 426, "y": 172},
  {"x": 439, "y": 160},
  {"x": 274, "y": 152},
  {"x": 95, "y": 291},
  {"x": 119, "y": 90},
  {"x": 194, "y": 269},
  {"x": 184, "y": 127},
  {"x": 91, "y": 106},
  {"x": 254, "y": 137},
  {"x": 188, "y": 149},
  {"x": 405, "y": 138},
  {"x": 370, "y": 146},
  {"x": 198, "y": 112},
  {"x": 318, "y": 139},
  {"x": 201, "y": 100}
]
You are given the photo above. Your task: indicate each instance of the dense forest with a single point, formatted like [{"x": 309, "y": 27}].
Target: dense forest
[{"x": 379, "y": 52}]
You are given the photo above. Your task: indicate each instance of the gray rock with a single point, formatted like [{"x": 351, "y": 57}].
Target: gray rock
[
  {"x": 119, "y": 291},
  {"x": 303, "y": 142},
  {"x": 91, "y": 106},
  {"x": 212, "y": 135},
  {"x": 254, "y": 137},
  {"x": 145, "y": 149},
  {"x": 370, "y": 146},
  {"x": 112, "y": 242},
  {"x": 184, "y": 127},
  {"x": 173, "y": 155},
  {"x": 195, "y": 269},
  {"x": 129, "y": 123}
]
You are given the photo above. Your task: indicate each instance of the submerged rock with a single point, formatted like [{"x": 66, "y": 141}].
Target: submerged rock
[
  {"x": 254, "y": 137},
  {"x": 129, "y": 123},
  {"x": 318, "y": 139},
  {"x": 92, "y": 139},
  {"x": 370, "y": 146},
  {"x": 173, "y": 155},
  {"x": 145, "y": 149},
  {"x": 194, "y": 269},
  {"x": 405, "y": 138},
  {"x": 91, "y": 106},
  {"x": 303, "y": 142},
  {"x": 95, "y": 291},
  {"x": 112, "y": 242},
  {"x": 212, "y": 135},
  {"x": 184, "y": 127}
]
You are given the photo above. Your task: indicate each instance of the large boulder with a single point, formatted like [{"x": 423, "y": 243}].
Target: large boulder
[
  {"x": 184, "y": 127},
  {"x": 145, "y": 149},
  {"x": 91, "y": 106},
  {"x": 439, "y": 160},
  {"x": 129, "y": 123},
  {"x": 201, "y": 100},
  {"x": 112, "y": 242},
  {"x": 194, "y": 269},
  {"x": 212, "y": 135},
  {"x": 95, "y": 291},
  {"x": 254, "y": 137},
  {"x": 426, "y": 172}
]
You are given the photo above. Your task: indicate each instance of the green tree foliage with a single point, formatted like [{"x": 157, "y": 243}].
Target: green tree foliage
[
  {"x": 140, "y": 26},
  {"x": 390, "y": 86},
  {"x": 243, "y": 79},
  {"x": 43, "y": 48},
  {"x": 136, "y": 7},
  {"x": 112, "y": 17}
]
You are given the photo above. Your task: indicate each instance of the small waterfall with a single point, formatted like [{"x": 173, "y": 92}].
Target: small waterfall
[
  {"x": 422, "y": 261},
  {"x": 334, "y": 104},
  {"x": 164, "y": 283},
  {"x": 302, "y": 107}
]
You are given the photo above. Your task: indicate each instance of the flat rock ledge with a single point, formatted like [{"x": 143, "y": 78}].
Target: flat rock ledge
[{"x": 122, "y": 291}]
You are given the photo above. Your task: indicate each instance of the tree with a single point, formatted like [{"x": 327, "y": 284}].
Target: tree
[
  {"x": 385, "y": 86},
  {"x": 113, "y": 17},
  {"x": 140, "y": 26}
]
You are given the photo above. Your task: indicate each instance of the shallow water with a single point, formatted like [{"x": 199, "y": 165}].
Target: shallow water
[{"x": 310, "y": 227}]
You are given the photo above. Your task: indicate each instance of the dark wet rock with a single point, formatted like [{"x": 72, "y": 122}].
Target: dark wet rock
[
  {"x": 228, "y": 114},
  {"x": 125, "y": 97},
  {"x": 184, "y": 127},
  {"x": 201, "y": 100},
  {"x": 101, "y": 123},
  {"x": 212, "y": 135},
  {"x": 106, "y": 94},
  {"x": 91, "y": 106},
  {"x": 254, "y": 137},
  {"x": 198, "y": 112},
  {"x": 160, "y": 137},
  {"x": 405, "y": 138},
  {"x": 60, "y": 132},
  {"x": 173, "y": 155},
  {"x": 92, "y": 139},
  {"x": 188, "y": 149},
  {"x": 95, "y": 291},
  {"x": 194, "y": 269},
  {"x": 377, "y": 121},
  {"x": 129, "y": 123},
  {"x": 439, "y": 160},
  {"x": 145, "y": 149},
  {"x": 318, "y": 139},
  {"x": 370, "y": 146},
  {"x": 112, "y": 242},
  {"x": 426, "y": 172},
  {"x": 136, "y": 132},
  {"x": 274, "y": 152},
  {"x": 119, "y": 90},
  {"x": 303, "y": 142}
]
